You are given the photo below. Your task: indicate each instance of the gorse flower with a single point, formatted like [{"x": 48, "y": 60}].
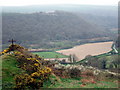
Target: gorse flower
[
  {"x": 34, "y": 66},
  {"x": 5, "y": 51},
  {"x": 35, "y": 74},
  {"x": 35, "y": 70},
  {"x": 25, "y": 80}
]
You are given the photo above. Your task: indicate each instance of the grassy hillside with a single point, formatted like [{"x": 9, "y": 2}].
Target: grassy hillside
[
  {"x": 9, "y": 70},
  {"x": 23, "y": 70}
]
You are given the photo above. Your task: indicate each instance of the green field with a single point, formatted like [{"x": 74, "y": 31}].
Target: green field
[{"x": 50, "y": 55}]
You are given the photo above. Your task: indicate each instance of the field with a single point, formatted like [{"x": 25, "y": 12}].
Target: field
[
  {"x": 88, "y": 49},
  {"x": 50, "y": 55}
]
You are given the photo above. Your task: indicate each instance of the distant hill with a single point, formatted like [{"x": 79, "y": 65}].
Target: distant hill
[
  {"x": 59, "y": 25},
  {"x": 102, "y": 16},
  {"x": 42, "y": 27},
  {"x": 89, "y": 9}
]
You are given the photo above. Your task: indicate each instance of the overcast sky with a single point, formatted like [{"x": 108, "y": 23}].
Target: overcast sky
[{"x": 44, "y": 2}]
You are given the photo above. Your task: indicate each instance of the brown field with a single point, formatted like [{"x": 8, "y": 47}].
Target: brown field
[{"x": 88, "y": 49}]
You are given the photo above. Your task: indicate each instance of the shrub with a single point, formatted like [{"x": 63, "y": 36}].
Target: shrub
[
  {"x": 26, "y": 81},
  {"x": 34, "y": 66},
  {"x": 5, "y": 51},
  {"x": 88, "y": 73},
  {"x": 74, "y": 73}
]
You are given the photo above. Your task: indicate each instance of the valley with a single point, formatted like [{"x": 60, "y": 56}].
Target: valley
[{"x": 60, "y": 46}]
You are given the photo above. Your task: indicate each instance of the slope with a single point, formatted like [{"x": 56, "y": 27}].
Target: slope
[{"x": 44, "y": 27}]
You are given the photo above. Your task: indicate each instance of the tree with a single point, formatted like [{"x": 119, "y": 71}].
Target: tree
[
  {"x": 71, "y": 58},
  {"x": 75, "y": 58},
  {"x": 104, "y": 64}
]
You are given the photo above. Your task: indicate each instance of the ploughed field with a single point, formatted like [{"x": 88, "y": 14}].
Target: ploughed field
[{"x": 82, "y": 51}]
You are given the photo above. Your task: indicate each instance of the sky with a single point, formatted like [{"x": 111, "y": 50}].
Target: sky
[{"x": 44, "y": 2}]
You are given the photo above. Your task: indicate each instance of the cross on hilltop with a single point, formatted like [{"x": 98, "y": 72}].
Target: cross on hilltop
[
  {"x": 12, "y": 41},
  {"x": 12, "y": 46}
]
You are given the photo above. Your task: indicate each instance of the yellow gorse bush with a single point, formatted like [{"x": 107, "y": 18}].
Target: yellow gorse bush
[
  {"x": 22, "y": 81},
  {"x": 36, "y": 71},
  {"x": 41, "y": 72},
  {"x": 5, "y": 51}
]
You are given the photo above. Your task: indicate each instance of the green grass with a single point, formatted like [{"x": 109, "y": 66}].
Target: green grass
[
  {"x": 102, "y": 84},
  {"x": 76, "y": 83},
  {"x": 9, "y": 70},
  {"x": 67, "y": 83},
  {"x": 50, "y": 55}
]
